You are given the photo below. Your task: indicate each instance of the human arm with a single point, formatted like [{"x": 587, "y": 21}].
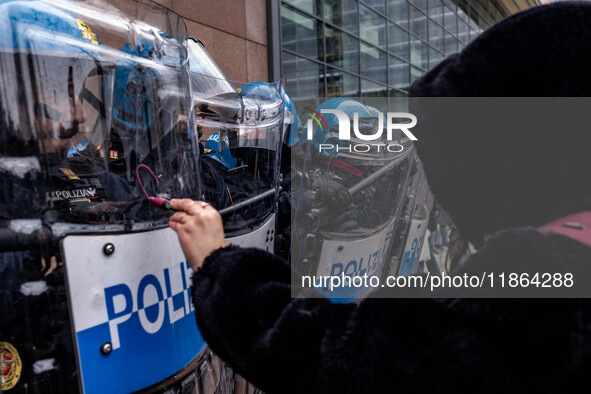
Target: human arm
[
  {"x": 245, "y": 312},
  {"x": 199, "y": 228},
  {"x": 244, "y": 307}
]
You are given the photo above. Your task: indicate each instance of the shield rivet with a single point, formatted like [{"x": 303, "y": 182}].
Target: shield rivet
[
  {"x": 109, "y": 249},
  {"x": 106, "y": 348}
]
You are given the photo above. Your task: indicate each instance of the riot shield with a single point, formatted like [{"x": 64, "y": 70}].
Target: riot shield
[
  {"x": 96, "y": 118},
  {"x": 240, "y": 132},
  {"x": 414, "y": 219},
  {"x": 349, "y": 181}
]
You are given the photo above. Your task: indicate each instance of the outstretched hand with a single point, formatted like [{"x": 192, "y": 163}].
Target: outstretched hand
[{"x": 199, "y": 228}]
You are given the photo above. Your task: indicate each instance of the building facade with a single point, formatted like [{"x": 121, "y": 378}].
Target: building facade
[
  {"x": 375, "y": 48},
  {"x": 330, "y": 48}
]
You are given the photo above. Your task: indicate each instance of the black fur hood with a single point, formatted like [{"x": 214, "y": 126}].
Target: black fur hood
[{"x": 496, "y": 164}]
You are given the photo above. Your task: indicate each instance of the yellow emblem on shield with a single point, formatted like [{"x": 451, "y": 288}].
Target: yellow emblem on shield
[
  {"x": 10, "y": 366},
  {"x": 86, "y": 31}
]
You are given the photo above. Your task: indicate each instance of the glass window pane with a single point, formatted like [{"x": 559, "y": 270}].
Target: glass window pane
[
  {"x": 301, "y": 33},
  {"x": 373, "y": 63},
  {"x": 339, "y": 83},
  {"x": 451, "y": 44},
  {"x": 342, "y": 50},
  {"x": 414, "y": 74},
  {"x": 396, "y": 93},
  {"x": 342, "y": 13},
  {"x": 304, "y": 78},
  {"x": 421, "y": 4},
  {"x": 450, "y": 21},
  {"x": 473, "y": 16},
  {"x": 491, "y": 8},
  {"x": 462, "y": 15},
  {"x": 462, "y": 30},
  {"x": 398, "y": 41},
  {"x": 419, "y": 54},
  {"x": 483, "y": 22},
  {"x": 450, "y": 4},
  {"x": 399, "y": 73},
  {"x": 436, "y": 11},
  {"x": 371, "y": 89},
  {"x": 398, "y": 12},
  {"x": 377, "y": 5},
  {"x": 418, "y": 23},
  {"x": 306, "y": 5},
  {"x": 435, "y": 35},
  {"x": 435, "y": 57},
  {"x": 372, "y": 27}
]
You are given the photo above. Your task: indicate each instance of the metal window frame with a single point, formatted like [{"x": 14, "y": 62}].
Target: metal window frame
[{"x": 275, "y": 48}]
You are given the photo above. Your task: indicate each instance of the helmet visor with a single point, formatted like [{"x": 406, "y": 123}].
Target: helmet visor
[{"x": 240, "y": 132}]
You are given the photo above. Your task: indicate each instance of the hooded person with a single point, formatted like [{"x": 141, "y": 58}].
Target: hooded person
[{"x": 502, "y": 184}]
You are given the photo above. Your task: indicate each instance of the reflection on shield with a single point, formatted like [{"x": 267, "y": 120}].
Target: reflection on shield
[{"x": 351, "y": 197}]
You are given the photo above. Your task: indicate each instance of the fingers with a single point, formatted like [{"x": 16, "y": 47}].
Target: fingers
[
  {"x": 181, "y": 204},
  {"x": 194, "y": 217},
  {"x": 193, "y": 205},
  {"x": 52, "y": 265},
  {"x": 188, "y": 205},
  {"x": 179, "y": 217},
  {"x": 199, "y": 228}
]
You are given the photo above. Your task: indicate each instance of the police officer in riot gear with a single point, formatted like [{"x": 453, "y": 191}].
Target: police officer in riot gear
[
  {"x": 240, "y": 133},
  {"x": 52, "y": 100},
  {"x": 72, "y": 176},
  {"x": 347, "y": 204}
]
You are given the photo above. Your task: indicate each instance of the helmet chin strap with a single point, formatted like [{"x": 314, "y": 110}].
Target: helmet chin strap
[{"x": 576, "y": 226}]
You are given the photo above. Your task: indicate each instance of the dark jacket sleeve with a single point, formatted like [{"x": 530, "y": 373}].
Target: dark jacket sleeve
[{"x": 245, "y": 312}]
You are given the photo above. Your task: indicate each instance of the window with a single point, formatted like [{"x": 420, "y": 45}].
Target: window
[{"x": 372, "y": 48}]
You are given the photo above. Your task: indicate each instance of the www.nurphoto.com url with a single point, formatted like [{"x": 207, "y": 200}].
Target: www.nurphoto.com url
[{"x": 434, "y": 282}]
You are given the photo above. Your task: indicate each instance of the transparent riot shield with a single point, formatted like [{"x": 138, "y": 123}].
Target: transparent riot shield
[
  {"x": 412, "y": 229},
  {"x": 347, "y": 196},
  {"x": 96, "y": 119},
  {"x": 240, "y": 130}
]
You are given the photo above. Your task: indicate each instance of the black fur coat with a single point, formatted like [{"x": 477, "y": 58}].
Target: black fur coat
[{"x": 283, "y": 345}]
